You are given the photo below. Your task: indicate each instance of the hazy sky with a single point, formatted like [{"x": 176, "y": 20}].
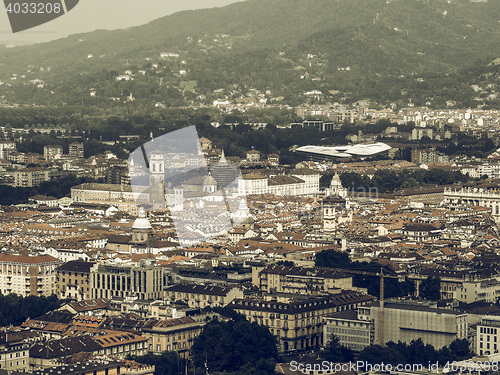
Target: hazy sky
[{"x": 90, "y": 15}]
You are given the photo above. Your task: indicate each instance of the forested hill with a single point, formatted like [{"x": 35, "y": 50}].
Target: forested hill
[{"x": 347, "y": 49}]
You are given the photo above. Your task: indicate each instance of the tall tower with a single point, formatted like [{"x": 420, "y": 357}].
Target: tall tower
[
  {"x": 156, "y": 168},
  {"x": 331, "y": 210},
  {"x": 157, "y": 178}
]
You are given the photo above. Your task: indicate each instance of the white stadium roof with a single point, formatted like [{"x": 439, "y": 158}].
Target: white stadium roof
[{"x": 362, "y": 150}]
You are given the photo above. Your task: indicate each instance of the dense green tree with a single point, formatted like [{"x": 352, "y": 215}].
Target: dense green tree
[
  {"x": 334, "y": 352},
  {"x": 166, "y": 363},
  {"x": 235, "y": 346},
  {"x": 15, "y": 309},
  {"x": 461, "y": 349},
  {"x": 376, "y": 354},
  {"x": 430, "y": 288},
  {"x": 418, "y": 352},
  {"x": 332, "y": 259}
]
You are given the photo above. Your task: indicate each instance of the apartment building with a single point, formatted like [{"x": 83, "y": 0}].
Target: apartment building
[
  {"x": 14, "y": 352},
  {"x": 52, "y": 152},
  {"x": 353, "y": 333},
  {"x": 30, "y": 177},
  {"x": 97, "y": 368},
  {"x": 299, "y": 280},
  {"x": 73, "y": 280},
  {"x": 488, "y": 336},
  {"x": 201, "y": 296},
  {"x": 6, "y": 147},
  {"x": 487, "y": 290},
  {"x": 428, "y": 155},
  {"x": 76, "y": 150},
  {"x": 28, "y": 275},
  {"x": 115, "y": 343},
  {"x": 121, "y": 344},
  {"x": 173, "y": 335},
  {"x": 297, "y": 324}
]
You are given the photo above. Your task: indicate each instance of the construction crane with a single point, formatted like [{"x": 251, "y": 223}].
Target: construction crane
[
  {"x": 381, "y": 310},
  {"x": 381, "y": 295}
]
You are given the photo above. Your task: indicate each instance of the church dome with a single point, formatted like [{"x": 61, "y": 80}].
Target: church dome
[
  {"x": 243, "y": 215},
  {"x": 209, "y": 181},
  {"x": 336, "y": 181},
  {"x": 141, "y": 223}
]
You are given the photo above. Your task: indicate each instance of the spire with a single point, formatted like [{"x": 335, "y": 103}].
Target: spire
[{"x": 223, "y": 158}]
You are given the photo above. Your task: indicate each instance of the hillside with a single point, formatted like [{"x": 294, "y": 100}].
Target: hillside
[{"x": 429, "y": 51}]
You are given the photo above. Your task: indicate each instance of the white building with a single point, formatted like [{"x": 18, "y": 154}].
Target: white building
[
  {"x": 488, "y": 335},
  {"x": 353, "y": 333},
  {"x": 478, "y": 290},
  {"x": 475, "y": 196},
  {"x": 299, "y": 182},
  {"x": 5, "y": 147}
]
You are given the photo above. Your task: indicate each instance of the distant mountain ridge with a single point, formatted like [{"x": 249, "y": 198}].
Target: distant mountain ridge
[{"x": 285, "y": 46}]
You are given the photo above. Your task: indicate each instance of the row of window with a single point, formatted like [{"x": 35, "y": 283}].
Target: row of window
[
  {"x": 488, "y": 330},
  {"x": 11, "y": 364}
]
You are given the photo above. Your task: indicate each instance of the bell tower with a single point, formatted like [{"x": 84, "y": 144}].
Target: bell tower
[{"x": 157, "y": 178}]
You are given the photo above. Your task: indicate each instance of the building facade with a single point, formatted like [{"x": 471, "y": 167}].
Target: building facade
[
  {"x": 28, "y": 275},
  {"x": 488, "y": 336},
  {"x": 119, "y": 196},
  {"x": 173, "y": 335},
  {"x": 297, "y": 324},
  {"x": 76, "y": 150},
  {"x": 29, "y": 177},
  {"x": 353, "y": 333},
  {"x": 296, "y": 183},
  {"x": 52, "y": 152},
  {"x": 73, "y": 280},
  {"x": 299, "y": 280},
  {"x": 475, "y": 196},
  {"x": 14, "y": 352},
  {"x": 405, "y": 322},
  {"x": 144, "y": 281},
  {"x": 201, "y": 296}
]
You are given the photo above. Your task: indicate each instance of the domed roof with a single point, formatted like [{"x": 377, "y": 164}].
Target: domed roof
[
  {"x": 243, "y": 215},
  {"x": 209, "y": 180},
  {"x": 336, "y": 181},
  {"x": 141, "y": 223}
]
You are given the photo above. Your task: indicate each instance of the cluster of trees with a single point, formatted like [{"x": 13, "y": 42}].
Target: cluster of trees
[
  {"x": 16, "y": 309},
  {"x": 416, "y": 352},
  {"x": 233, "y": 347},
  {"x": 430, "y": 288},
  {"x": 392, "y": 286},
  {"x": 166, "y": 363},
  {"x": 58, "y": 188},
  {"x": 386, "y": 181}
]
